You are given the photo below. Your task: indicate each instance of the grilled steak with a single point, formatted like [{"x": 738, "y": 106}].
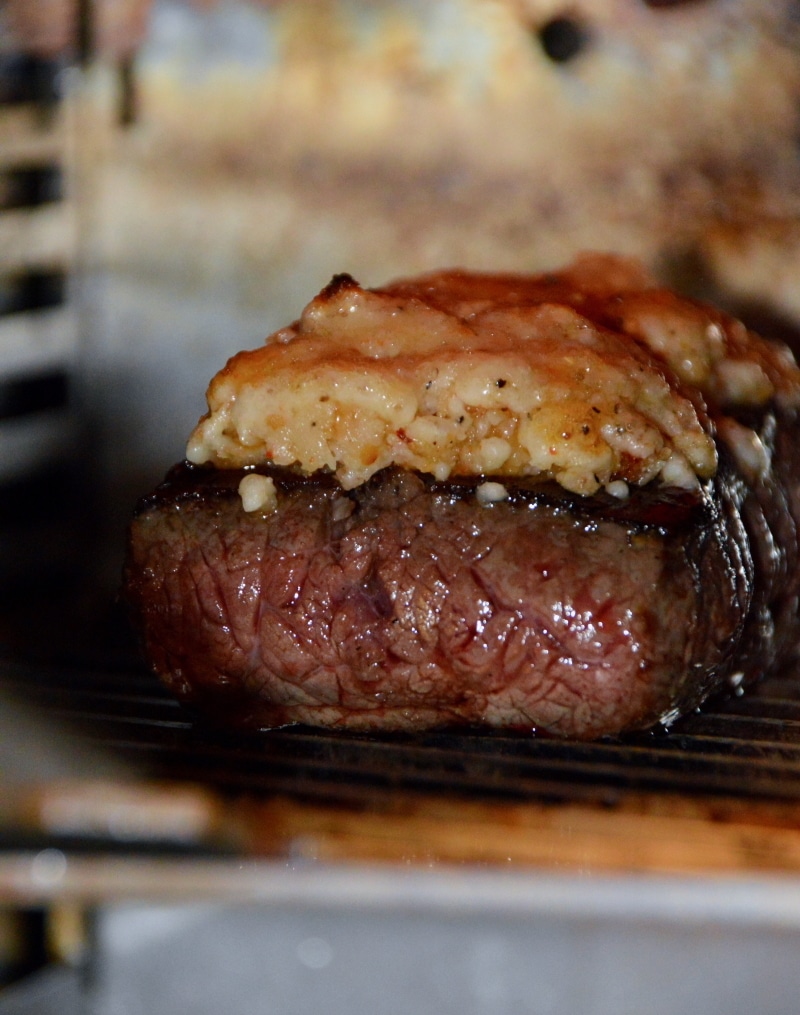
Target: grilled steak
[
  {"x": 575, "y": 603},
  {"x": 406, "y": 604}
]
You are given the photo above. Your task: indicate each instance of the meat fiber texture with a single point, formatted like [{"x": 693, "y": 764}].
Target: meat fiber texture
[{"x": 409, "y": 602}]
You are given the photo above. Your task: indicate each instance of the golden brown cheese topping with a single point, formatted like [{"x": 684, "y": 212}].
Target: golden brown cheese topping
[{"x": 592, "y": 377}]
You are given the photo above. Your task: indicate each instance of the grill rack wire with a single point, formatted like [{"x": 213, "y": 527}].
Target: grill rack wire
[{"x": 745, "y": 746}]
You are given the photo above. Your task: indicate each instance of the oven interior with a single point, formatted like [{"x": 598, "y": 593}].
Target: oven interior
[{"x": 176, "y": 178}]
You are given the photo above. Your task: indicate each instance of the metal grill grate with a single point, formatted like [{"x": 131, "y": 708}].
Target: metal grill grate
[{"x": 744, "y": 747}]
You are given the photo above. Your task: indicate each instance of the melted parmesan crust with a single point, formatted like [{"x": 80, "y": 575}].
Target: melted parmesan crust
[{"x": 592, "y": 377}]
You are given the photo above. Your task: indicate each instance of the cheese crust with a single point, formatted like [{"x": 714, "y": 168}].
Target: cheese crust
[{"x": 592, "y": 377}]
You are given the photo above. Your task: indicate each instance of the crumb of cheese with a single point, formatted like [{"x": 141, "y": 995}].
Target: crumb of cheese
[
  {"x": 491, "y": 493},
  {"x": 460, "y": 373},
  {"x": 258, "y": 493},
  {"x": 618, "y": 488}
]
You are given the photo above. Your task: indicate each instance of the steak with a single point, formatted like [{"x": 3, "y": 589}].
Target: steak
[
  {"x": 567, "y": 503},
  {"x": 408, "y": 604}
]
